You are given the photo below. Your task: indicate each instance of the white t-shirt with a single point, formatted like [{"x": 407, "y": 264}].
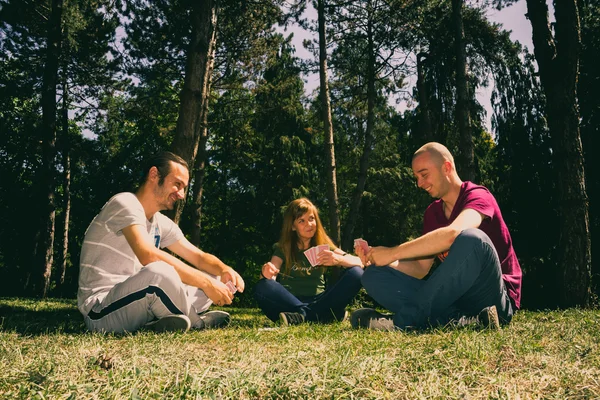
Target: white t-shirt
[{"x": 106, "y": 257}]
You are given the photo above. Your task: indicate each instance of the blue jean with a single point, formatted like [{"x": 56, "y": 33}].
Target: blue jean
[
  {"x": 469, "y": 279},
  {"x": 273, "y": 298}
]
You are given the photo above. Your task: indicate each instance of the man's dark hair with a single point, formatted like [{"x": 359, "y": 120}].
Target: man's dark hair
[{"x": 162, "y": 162}]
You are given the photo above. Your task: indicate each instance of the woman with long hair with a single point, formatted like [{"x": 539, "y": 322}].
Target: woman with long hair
[{"x": 292, "y": 285}]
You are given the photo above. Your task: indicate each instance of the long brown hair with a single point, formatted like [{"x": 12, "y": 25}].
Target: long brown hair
[{"x": 288, "y": 241}]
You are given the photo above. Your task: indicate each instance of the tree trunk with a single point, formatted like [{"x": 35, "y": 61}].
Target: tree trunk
[
  {"x": 66, "y": 155},
  {"x": 195, "y": 87},
  {"x": 332, "y": 196},
  {"x": 43, "y": 253},
  {"x": 357, "y": 195},
  {"x": 465, "y": 161},
  {"x": 426, "y": 128},
  {"x": 200, "y": 170},
  {"x": 558, "y": 61}
]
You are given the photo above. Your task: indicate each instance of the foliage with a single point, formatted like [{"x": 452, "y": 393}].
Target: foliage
[{"x": 122, "y": 67}]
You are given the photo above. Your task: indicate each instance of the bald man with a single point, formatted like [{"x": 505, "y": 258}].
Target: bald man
[{"x": 462, "y": 270}]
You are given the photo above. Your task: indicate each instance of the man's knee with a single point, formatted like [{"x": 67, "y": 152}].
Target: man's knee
[
  {"x": 163, "y": 271},
  {"x": 372, "y": 278},
  {"x": 472, "y": 237}
]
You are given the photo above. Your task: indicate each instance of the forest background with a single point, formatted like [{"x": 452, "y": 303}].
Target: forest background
[{"x": 89, "y": 88}]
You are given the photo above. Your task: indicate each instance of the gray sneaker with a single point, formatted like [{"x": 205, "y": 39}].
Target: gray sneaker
[
  {"x": 486, "y": 319},
  {"x": 170, "y": 323},
  {"x": 213, "y": 320},
  {"x": 291, "y": 318},
  {"x": 369, "y": 318}
]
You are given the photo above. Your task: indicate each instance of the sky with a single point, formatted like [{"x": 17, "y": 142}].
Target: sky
[{"x": 512, "y": 19}]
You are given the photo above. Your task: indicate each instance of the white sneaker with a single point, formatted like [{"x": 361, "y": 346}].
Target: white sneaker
[
  {"x": 170, "y": 323},
  {"x": 371, "y": 319}
]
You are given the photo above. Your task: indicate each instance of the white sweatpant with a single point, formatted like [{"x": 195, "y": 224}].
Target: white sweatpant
[{"x": 154, "y": 292}]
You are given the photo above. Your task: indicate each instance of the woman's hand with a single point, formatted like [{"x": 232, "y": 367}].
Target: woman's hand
[
  {"x": 269, "y": 270},
  {"x": 328, "y": 258}
]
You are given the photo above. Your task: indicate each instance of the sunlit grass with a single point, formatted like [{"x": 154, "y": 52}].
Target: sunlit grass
[{"x": 46, "y": 353}]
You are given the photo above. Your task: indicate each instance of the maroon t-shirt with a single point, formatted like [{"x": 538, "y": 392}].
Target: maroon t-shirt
[{"x": 478, "y": 198}]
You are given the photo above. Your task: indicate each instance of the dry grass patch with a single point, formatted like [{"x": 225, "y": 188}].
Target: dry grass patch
[{"x": 46, "y": 353}]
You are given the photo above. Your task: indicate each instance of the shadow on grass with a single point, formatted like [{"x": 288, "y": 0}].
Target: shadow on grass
[
  {"x": 36, "y": 317},
  {"x": 42, "y": 317}
]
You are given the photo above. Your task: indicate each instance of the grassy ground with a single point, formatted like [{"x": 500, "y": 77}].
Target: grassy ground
[{"x": 45, "y": 353}]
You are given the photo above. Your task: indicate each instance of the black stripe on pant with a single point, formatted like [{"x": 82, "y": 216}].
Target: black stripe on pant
[{"x": 130, "y": 298}]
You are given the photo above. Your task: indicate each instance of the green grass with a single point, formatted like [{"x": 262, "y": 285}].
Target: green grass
[{"x": 46, "y": 353}]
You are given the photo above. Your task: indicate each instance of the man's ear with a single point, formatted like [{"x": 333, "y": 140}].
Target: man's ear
[
  {"x": 153, "y": 174},
  {"x": 447, "y": 167}
]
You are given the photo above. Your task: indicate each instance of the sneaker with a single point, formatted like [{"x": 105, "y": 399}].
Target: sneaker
[
  {"x": 346, "y": 316},
  {"x": 486, "y": 319},
  {"x": 291, "y": 318},
  {"x": 170, "y": 323},
  {"x": 369, "y": 318},
  {"x": 213, "y": 320}
]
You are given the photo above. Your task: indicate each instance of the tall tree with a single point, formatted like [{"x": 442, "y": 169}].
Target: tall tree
[
  {"x": 191, "y": 131},
  {"x": 441, "y": 39},
  {"x": 528, "y": 200},
  {"x": 557, "y": 55},
  {"x": 589, "y": 87},
  {"x": 64, "y": 142},
  {"x": 465, "y": 162},
  {"x": 367, "y": 36},
  {"x": 330, "y": 168},
  {"x": 426, "y": 126},
  {"x": 44, "y": 246}
]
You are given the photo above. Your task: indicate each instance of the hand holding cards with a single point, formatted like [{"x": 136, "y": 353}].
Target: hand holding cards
[
  {"x": 231, "y": 287},
  {"x": 269, "y": 271},
  {"x": 362, "y": 244},
  {"x": 312, "y": 254}
]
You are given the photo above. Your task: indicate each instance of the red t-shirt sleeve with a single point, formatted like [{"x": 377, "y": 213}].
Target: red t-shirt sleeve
[{"x": 480, "y": 200}]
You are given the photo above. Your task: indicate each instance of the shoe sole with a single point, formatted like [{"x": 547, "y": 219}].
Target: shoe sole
[
  {"x": 170, "y": 323},
  {"x": 283, "y": 319},
  {"x": 494, "y": 321},
  {"x": 286, "y": 322},
  {"x": 372, "y": 320},
  {"x": 345, "y": 317}
]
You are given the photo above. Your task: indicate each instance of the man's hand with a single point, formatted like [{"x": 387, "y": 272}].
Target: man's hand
[
  {"x": 269, "y": 270},
  {"x": 234, "y": 277},
  {"x": 382, "y": 256},
  {"x": 361, "y": 254},
  {"x": 218, "y": 293}
]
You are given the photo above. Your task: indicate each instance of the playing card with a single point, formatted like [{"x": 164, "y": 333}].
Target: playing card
[
  {"x": 360, "y": 242},
  {"x": 322, "y": 247},
  {"x": 311, "y": 255},
  {"x": 308, "y": 256},
  {"x": 231, "y": 287}
]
